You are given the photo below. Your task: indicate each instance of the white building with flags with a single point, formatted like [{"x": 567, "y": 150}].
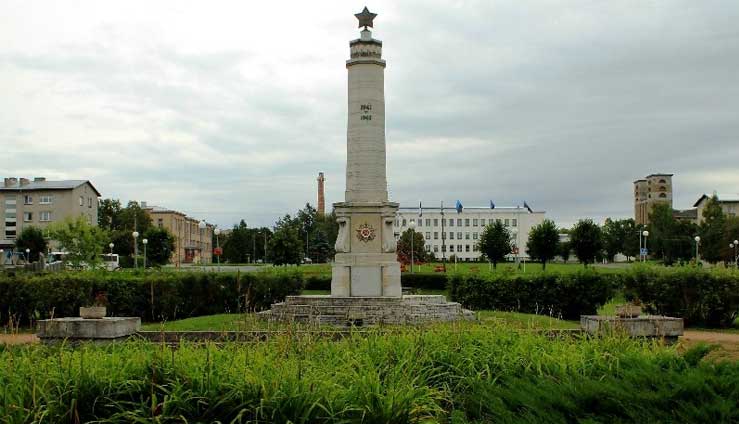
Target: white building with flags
[{"x": 455, "y": 230}]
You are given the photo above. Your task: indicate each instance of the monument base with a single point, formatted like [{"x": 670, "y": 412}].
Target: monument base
[
  {"x": 363, "y": 311},
  {"x": 656, "y": 326},
  {"x": 109, "y": 328}
]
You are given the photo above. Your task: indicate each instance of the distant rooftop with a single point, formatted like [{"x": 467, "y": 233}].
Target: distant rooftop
[
  {"x": 722, "y": 198},
  {"x": 40, "y": 183}
]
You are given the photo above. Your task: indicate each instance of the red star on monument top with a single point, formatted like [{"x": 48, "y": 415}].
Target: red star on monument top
[{"x": 365, "y": 18}]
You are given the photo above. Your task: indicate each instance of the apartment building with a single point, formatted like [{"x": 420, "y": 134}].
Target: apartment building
[
  {"x": 39, "y": 202},
  {"x": 193, "y": 245},
  {"x": 453, "y": 231}
]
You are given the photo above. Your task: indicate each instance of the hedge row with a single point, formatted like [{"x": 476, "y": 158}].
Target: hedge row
[
  {"x": 151, "y": 296},
  {"x": 701, "y": 297},
  {"x": 564, "y": 296}
]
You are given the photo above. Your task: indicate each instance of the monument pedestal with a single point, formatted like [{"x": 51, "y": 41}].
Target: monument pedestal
[
  {"x": 365, "y": 262},
  {"x": 364, "y": 311},
  {"x": 76, "y": 328}
]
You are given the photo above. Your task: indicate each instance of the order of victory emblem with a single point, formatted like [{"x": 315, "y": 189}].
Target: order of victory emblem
[{"x": 365, "y": 233}]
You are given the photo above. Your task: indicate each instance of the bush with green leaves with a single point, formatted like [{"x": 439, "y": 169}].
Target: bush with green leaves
[
  {"x": 560, "y": 295},
  {"x": 701, "y": 297},
  {"x": 153, "y": 296}
]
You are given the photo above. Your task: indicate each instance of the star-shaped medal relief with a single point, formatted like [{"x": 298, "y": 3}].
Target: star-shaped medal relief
[{"x": 365, "y": 18}]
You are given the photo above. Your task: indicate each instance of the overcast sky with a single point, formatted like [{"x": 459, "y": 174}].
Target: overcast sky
[{"x": 228, "y": 110}]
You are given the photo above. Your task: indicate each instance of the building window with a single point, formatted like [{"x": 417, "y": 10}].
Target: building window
[
  {"x": 662, "y": 195},
  {"x": 451, "y": 236},
  {"x": 428, "y": 235},
  {"x": 46, "y": 200},
  {"x": 474, "y": 248},
  {"x": 514, "y": 221},
  {"x": 451, "y": 222},
  {"x": 474, "y": 222},
  {"x": 443, "y": 248},
  {"x": 82, "y": 201},
  {"x": 436, "y": 235},
  {"x": 27, "y": 216},
  {"x": 459, "y": 236},
  {"x": 451, "y": 248},
  {"x": 45, "y": 216},
  {"x": 459, "y": 222},
  {"x": 396, "y": 222},
  {"x": 496, "y": 220},
  {"x": 404, "y": 223},
  {"x": 474, "y": 236},
  {"x": 428, "y": 248},
  {"x": 160, "y": 222},
  {"x": 466, "y": 222},
  {"x": 436, "y": 249},
  {"x": 27, "y": 200},
  {"x": 436, "y": 222},
  {"x": 413, "y": 222},
  {"x": 467, "y": 248},
  {"x": 466, "y": 236},
  {"x": 89, "y": 202},
  {"x": 428, "y": 222},
  {"x": 507, "y": 222},
  {"x": 459, "y": 248}
]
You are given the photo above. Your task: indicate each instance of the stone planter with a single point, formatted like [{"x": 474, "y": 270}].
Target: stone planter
[
  {"x": 93, "y": 312},
  {"x": 628, "y": 311}
]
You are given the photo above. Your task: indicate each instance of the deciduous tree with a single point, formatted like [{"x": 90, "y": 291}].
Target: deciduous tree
[
  {"x": 543, "y": 242},
  {"x": 587, "y": 241},
  {"x": 495, "y": 242}
]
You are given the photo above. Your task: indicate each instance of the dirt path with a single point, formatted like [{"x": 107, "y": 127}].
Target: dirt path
[
  {"x": 728, "y": 342},
  {"x": 16, "y": 339}
]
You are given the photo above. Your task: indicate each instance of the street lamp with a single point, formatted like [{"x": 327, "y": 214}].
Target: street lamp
[
  {"x": 412, "y": 226},
  {"x": 2, "y": 258},
  {"x": 201, "y": 226},
  {"x": 217, "y": 232},
  {"x": 135, "y": 235},
  {"x": 28, "y": 256},
  {"x": 145, "y": 241},
  {"x": 733, "y": 245},
  {"x": 697, "y": 243},
  {"x": 111, "y": 245},
  {"x": 645, "y": 233}
]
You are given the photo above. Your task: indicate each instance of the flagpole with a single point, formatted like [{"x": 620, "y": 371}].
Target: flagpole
[{"x": 443, "y": 238}]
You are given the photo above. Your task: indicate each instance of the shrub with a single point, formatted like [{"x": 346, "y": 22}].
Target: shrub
[
  {"x": 701, "y": 297},
  {"x": 436, "y": 281},
  {"x": 153, "y": 296},
  {"x": 561, "y": 295}
]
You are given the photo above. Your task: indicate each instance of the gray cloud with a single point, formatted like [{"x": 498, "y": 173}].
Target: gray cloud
[{"x": 562, "y": 104}]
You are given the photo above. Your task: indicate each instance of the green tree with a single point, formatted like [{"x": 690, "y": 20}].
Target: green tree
[
  {"x": 32, "y": 238},
  {"x": 543, "y": 242},
  {"x": 160, "y": 245},
  {"x": 236, "y": 246},
  {"x": 565, "y": 250},
  {"x": 495, "y": 242},
  {"x": 731, "y": 233},
  {"x": 285, "y": 246},
  {"x": 82, "y": 241},
  {"x": 631, "y": 240},
  {"x": 109, "y": 211},
  {"x": 587, "y": 241},
  {"x": 615, "y": 234},
  {"x": 403, "y": 249},
  {"x": 320, "y": 249},
  {"x": 712, "y": 231}
]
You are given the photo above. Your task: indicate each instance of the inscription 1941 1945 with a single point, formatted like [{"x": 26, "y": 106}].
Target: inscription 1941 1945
[{"x": 366, "y": 112}]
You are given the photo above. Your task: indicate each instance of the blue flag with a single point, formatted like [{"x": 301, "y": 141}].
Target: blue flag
[
  {"x": 492, "y": 205},
  {"x": 525, "y": 205},
  {"x": 420, "y": 209},
  {"x": 459, "y": 206}
]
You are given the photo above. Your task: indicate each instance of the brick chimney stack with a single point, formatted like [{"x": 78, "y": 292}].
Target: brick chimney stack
[{"x": 321, "y": 196}]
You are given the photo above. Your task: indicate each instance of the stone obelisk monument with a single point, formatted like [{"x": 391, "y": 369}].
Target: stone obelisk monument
[
  {"x": 365, "y": 277},
  {"x": 365, "y": 263}
]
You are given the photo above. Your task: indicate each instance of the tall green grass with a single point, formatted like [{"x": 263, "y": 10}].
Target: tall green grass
[{"x": 447, "y": 373}]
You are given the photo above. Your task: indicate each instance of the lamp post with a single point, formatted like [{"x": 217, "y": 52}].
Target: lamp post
[
  {"x": 217, "y": 232},
  {"x": 697, "y": 243},
  {"x": 736, "y": 257},
  {"x": 111, "y": 245},
  {"x": 645, "y": 233},
  {"x": 145, "y": 241},
  {"x": 2, "y": 258},
  {"x": 28, "y": 256},
  {"x": 412, "y": 226},
  {"x": 135, "y": 235},
  {"x": 201, "y": 226}
]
